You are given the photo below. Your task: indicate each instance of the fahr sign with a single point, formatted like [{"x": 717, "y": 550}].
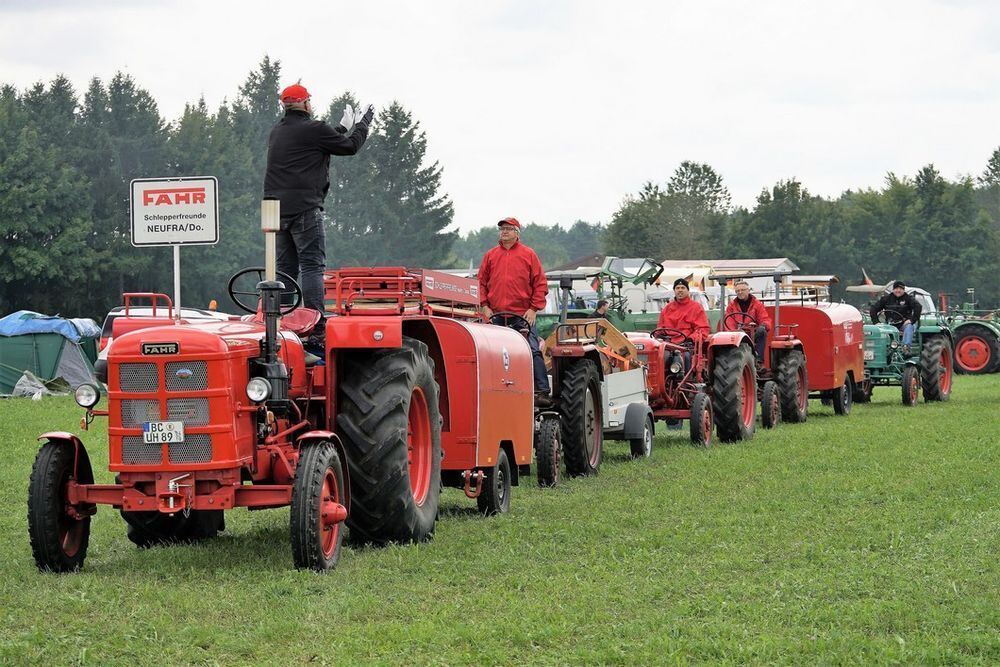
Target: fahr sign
[{"x": 175, "y": 211}]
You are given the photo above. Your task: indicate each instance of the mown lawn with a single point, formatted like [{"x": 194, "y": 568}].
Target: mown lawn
[{"x": 872, "y": 538}]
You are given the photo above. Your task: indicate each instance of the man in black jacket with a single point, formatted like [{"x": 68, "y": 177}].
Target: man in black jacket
[
  {"x": 298, "y": 174},
  {"x": 906, "y": 307}
]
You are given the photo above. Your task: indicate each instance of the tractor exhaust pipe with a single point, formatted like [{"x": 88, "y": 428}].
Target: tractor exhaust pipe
[{"x": 270, "y": 296}]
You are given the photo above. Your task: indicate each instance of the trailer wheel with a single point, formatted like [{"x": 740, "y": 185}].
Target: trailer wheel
[
  {"x": 734, "y": 390},
  {"x": 390, "y": 424},
  {"x": 977, "y": 350},
  {"x": 547, "y": 450},
  {"x": 701, "y": 420},
  {"x": 935, "y": 368},
  {"x": 318, "y": 508},
  {"x": 843, "y": 397},
  {"x": 58, "y": 539},
  {"x": 793, "y": 384},
  {"x": 495, "y": 496},
  {"x": 911, "y": 385},
  {"x": 583, "y": 435},
  {"x": 642, "y": 448},
  {"x": 770, "y": 405}
]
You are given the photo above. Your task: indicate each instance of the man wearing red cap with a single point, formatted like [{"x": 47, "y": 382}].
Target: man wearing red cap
[
  {"x": 298, "y": 174},
  {"x": 511, "y": 280}
]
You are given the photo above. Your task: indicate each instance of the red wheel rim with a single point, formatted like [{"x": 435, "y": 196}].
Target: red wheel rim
[
  {"x": 913, "y": 389},
  {"x": 331, "y": 514},
  {"x": 706, "y": 425},
  {"x": 802, "y": 389},
  {"x": 945, "y": 371},
  {"x": 973, "y": 353},
  {"x": 418, "y": 446},
  {"x": 748, "y": 394}
]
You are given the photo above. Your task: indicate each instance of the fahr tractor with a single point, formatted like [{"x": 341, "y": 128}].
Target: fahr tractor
[
  {"x": 926, "y": 365},
  {"x": 411, "y": 394}
]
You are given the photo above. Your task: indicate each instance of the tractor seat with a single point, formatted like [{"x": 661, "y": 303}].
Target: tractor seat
[{"x": 300, "y": 321}]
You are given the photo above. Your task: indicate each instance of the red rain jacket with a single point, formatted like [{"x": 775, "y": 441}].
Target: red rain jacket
[
  {"x": 512, "y": 279},
  {"x": 755, "y": 310},
  {"x": 687, "y": 317}
]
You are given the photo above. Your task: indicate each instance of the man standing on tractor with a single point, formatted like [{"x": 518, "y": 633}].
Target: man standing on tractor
[
  {"x": 684, "y": 314},
  {"x": 298, "y": 174},
  {"x": 906, "y": 308},
  {"x": 746, "y": 303},
  {"x": 511, "y": 280}
]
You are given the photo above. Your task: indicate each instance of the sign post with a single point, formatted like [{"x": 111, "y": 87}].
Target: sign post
[{"x": 175, "y": 212}]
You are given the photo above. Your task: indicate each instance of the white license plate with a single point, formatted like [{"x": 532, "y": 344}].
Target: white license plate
[
  {"x": 869, "y": 355},
  {"x": 160, "y": 432}
]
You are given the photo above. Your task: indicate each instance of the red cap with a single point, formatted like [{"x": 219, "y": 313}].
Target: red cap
[
  {"x": 294, "y": 93},
  {"x": 510, "y": 221}
]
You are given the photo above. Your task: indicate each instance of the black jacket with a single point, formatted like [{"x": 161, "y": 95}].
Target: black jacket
[
  {"x": 298, "y": 160},
  {"x": 907, "y": 306}
]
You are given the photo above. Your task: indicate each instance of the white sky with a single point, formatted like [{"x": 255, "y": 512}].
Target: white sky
[{"x": 553, "y": 111}]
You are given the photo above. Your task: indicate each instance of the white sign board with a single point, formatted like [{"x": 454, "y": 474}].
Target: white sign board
[{"x": 175, "y": 211}]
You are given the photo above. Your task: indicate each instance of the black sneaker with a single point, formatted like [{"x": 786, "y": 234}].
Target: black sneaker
[{"x": 543, "y": 400}]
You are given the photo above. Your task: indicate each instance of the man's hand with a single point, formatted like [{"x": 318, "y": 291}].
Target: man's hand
[
  {"x": 367, "y": 117},
  {"x": 487, "y": 312},
  {"x": 905, "y": 322},
  {"x": 530, "y": 316},
  {"x": 349, "y": 118}
]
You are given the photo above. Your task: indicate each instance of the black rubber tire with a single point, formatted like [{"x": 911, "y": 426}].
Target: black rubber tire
[
  {"x": 49, "y": 525},
  {"x": 701, "y": 434},
  {"x": 495, "y": 496},
  {"x": 992, "y": 342},
  {"x": 793, "y": 385},
  {"x": 374, "y": 397},
  {"x": 936, "y": 365},
  {"x": 863, "y": 391},
  {"x": 548, "y": 448},
  {"x": 910, "y": 385},
  {"x": 305, "y": 520},
  {"x": 150, "y": 529},
  {"x": 583, "y": 434},
  {"x": 770, "y": 405},
  {"x": 642, "y": 448},
  {"x": 730, "y": 394},
  {"x": 843, "y": 398}
]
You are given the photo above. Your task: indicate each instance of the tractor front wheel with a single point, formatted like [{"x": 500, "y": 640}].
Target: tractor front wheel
[
  {"x": 583, "y": 428},
  {"x": 793, "y": 384},
  {"x": 59, "y": 533},
  {"x": 319, "y": 508},
  {"x": 977, "y": 350},
  {"x": 863, "y": 391},
  {"x": 935, "y": 368},
  {"x": 911, "y": 385},
  {"x": 548, "y": 446},
  {"x": 701, "y": 420},
  {"x": 495, "y": 495},
  {"x": 770, "y": 405},
  {"x": 734, "y": 389},
  {"x": 843, "y": 397},
  {"x": 642, "y": 448}
]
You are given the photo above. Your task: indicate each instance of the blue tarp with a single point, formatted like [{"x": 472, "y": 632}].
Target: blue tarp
[{"x": 28, "y": 322}]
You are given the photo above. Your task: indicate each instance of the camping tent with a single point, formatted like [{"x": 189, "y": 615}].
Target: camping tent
[{"x": 46, "y": 346}]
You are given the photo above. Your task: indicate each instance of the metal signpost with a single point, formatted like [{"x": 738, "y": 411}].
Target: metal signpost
[{"x": 175, "y": 212}]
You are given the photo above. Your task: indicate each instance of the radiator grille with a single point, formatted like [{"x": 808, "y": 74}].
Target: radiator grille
[
  {"x": 137, "y": 411},
  {"x": 141, "y": 377},
  {"x": 187, "y": 375},
  {"x": 191, "y": 411},
  {"x": 196, "y": 448},
  {"x": 135, "y": 451}
]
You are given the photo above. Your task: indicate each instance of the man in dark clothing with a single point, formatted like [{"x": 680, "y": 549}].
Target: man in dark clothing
[
  {"x": 602, "y": 308},
  {"x": 298, "y": 174},
  {"x": 906, "y": 307}
]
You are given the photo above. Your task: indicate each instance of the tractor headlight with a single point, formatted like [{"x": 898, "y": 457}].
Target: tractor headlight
[
  {"x": 258, "y": 390},
  {"x": 894, "y": 344},
  {"x": 676, "y": 365},
  {"x": 87, "y": 395}
]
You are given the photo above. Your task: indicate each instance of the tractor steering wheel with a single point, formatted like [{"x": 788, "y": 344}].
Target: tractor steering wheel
[
  {"x": 891, "y": 317},
  {"x": 501, "y": 319},
  {"x": 748, "y": 323},
  {"x": 671, "y": 335},
  {"x": 291, "y": 289}
]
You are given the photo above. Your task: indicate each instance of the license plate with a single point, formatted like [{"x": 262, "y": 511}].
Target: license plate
[
  {"x": 869, "y": 355},
  {"x": 161, "y": 432}
]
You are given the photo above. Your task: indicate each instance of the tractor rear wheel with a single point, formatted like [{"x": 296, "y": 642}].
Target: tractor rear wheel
[
  {"x": 642, "y": 448},
  {"x": 701, "y": 420},
  {"x": 58, "y": 539},
  {"x": 734, "y": 390},
  {"x": 843, "y": 397},
  {"x": 319, "y": 499},
  {"x": 548, "y": 446},
  {"x": 935, "y": 368},
  {"x": 977, "y": 350},
  {"x": 793, "y": 384},
  {"x": 495, "y": 495},
  {"x": 911, "y": 385},
  {"x": 583, "y": 428},
  {"x": 390, "y": 424},
  {"x": 770, "y": 405}
]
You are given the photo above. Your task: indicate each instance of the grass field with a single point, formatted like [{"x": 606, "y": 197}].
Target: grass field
[{"x": 871, "y": 538}]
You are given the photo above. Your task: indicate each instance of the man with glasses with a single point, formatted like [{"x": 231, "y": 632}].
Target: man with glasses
[
  {"x": 511, "y": 280},
  {"x": 747, "y": 304}
]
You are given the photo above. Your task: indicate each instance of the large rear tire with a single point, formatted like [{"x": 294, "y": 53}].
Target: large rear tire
[
  {"x": 936, "y": 360},
  {"x": 548, "y": 446},
  {"x": 390, "y": 424},
  {"x": 977, "y": 350},
  {"x": 316, "y": 519},
  {"x": 734, "y": 393},
  {"x": 59, "y": 540},
  {"x": 793, "y": 385},
  {"x": 583, "y": 434}
]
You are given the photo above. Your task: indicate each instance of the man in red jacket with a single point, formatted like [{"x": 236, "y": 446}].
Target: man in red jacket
[
  {"x": 684, "y": 314},
  {"x": 745, "y": 304},
  {"x": 511, "y": 280}
]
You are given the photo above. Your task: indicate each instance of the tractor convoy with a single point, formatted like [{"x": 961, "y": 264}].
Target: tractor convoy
[{"x": 414, "y": 392}]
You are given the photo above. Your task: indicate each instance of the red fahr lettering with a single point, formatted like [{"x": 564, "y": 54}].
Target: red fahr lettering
[{"x": 169, "y": 197}]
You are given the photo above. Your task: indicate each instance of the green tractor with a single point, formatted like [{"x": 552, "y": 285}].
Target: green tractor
[
  {"x": 926, "y": 366},
  {"x": 977, "y": 335}
]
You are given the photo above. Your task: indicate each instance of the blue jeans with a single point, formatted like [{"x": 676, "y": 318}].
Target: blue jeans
[
  {"x": 908, "y": 330},
  {"x": 301, "y": 249},
  {"x": 760, "y": 341}
]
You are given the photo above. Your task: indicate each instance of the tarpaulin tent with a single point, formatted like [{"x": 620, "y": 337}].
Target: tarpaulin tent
[{"x": 46, "y": 346}]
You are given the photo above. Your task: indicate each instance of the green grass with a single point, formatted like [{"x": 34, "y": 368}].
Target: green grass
[{"x": 871, "y": 538}]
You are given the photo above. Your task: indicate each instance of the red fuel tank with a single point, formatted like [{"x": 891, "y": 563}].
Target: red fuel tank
[{"x": 832, "y": 339}]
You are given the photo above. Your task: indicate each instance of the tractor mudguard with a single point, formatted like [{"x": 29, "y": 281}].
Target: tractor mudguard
[
  {"x": 67, "y": 440},
  {"x": 635, "y": 421},
  {"x": 727, "y": 338},
  {"x": 330, "y": 436},
  {"x": 370, "y": 331}
]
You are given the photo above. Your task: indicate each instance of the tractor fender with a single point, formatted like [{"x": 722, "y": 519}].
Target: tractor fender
[
  {"x": 68, "y": 440},
  {"x": 727, "y": 338},
  {"x": 635, "y": 420},
  {"x": 330, "y": 436}
]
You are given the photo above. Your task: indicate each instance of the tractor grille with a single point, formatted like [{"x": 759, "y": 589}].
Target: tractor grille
[
  {"x": 176, "y": 370},
  {"x": 196, "y": 448},
  {"x": 191, "y": 411},
  {"x": 135, "y": 451},
  {"x": 140, "y": 377},
  {"x": 137, "y": 411}
]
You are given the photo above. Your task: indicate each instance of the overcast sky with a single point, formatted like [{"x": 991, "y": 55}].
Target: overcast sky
[{"x": 553, "y": 111}]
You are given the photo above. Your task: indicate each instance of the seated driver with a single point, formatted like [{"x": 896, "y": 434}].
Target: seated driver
[
  {"x": 746, "y": 303},
  {"x": 906, "y": 308},
  {"x": 684, "y": 314}
]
